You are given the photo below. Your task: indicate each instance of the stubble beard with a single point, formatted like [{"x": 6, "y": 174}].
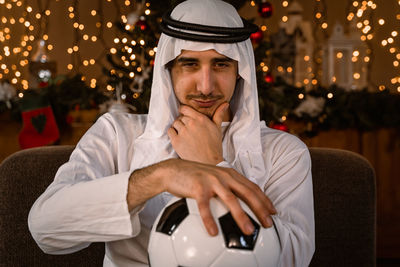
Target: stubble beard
[{"x": 209, "y": 112}]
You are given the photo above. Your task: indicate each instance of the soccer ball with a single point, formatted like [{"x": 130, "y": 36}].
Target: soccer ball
[{"x": 179, "y": 238}]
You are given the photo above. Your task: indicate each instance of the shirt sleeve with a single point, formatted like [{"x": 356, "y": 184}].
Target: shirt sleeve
[
  {"x": 87, "y": 200},
  {"x": 290, "y": 190}
]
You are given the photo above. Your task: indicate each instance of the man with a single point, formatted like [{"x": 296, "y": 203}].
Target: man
[{"x": 202, "y": 138}]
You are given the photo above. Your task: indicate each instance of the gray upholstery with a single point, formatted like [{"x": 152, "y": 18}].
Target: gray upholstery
[
  {"x": 23, "y": 177},
  {"x": 344, "y": 196},
  {"x": 345, "y": 208}
]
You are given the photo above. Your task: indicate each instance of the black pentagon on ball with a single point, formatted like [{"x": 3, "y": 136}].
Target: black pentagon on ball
[
  {"x": 234, "y": 237},
  {"x": 172, "y": 216}
]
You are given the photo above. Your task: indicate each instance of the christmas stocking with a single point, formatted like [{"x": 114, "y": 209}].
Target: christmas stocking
[{"x": 39, "y": 124}]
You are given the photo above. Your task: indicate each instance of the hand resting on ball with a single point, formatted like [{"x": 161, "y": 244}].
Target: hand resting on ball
[{"x": 201, "y": 182}]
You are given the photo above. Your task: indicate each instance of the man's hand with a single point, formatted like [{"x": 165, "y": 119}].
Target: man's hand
[
  {"x": 202, "y": 182},
  {"x": 197, "y": 138}
]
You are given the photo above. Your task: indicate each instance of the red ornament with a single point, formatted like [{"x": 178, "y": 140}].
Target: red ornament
[
  {"x": 142, "y": 24},
  {"x": 257, "y": 37},
  {"x": 269, "y": 78},
  {"x": 69, "y": 119},
  {"x": 265, "y": 9},
  {"x": 43, "y": 84},
  {"x": 280, "y": 126}
]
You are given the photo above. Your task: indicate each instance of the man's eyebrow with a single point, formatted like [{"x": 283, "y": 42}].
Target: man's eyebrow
[
  {"x": 223, "y": 59},
  {"x": 186, "y": 59}
]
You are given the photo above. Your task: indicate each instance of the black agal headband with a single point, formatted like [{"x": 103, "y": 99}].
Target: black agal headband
[{"x": 174, "y": 28}]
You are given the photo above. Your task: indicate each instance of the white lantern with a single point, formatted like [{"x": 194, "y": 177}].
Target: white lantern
[{"x": 345, "y": 60}]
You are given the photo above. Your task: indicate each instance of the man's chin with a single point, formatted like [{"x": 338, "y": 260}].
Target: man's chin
[{"x": 209, "y": 112}]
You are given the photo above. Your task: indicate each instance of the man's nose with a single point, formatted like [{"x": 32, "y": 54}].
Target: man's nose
[{"x": 206, "y": 82}]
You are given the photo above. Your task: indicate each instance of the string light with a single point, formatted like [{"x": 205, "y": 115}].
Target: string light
[{"x": 35, "y": 20}]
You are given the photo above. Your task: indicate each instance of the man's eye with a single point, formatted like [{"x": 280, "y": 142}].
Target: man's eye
[
  {"x": 189, "y": 64},
  {"x": 221, "y": 65}
]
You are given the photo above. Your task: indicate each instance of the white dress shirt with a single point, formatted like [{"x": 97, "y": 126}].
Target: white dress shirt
[{"x": 87, "y": 200}]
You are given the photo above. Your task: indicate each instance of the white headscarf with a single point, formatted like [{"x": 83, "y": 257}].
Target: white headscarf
[{"x": 241, "y": 146}]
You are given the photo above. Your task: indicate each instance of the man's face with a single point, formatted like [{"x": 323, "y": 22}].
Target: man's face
[{"x": 204, "y": 79}]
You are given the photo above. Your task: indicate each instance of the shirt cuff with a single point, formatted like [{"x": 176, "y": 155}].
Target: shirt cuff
[
  {"x": 135, "y": 220},
  {"x": 224, "y": 164}
]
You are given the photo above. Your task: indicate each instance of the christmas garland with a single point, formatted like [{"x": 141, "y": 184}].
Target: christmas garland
[
  {"x": 319, "y": 109},
  {"x": 328, "y": 108}
]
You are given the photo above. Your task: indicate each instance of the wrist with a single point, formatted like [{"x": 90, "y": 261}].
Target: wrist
[
  {"x": 164, "y": 172},
  {"x": 219, "y": 160},
  {"x": 144, "y": 184}
]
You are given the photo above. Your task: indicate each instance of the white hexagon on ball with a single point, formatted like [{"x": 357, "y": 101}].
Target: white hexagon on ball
[{"x": 193, "y": 245}]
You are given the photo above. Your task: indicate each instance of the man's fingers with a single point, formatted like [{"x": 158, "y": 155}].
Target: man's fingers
[
  {"x": 208, "y": 220},
  {"x": 178, "y": 125},
  {"x": 241, "y": 218},
  {"x": 172, "y": 133},
  {"x": 259, "y": 204},
  {"x": 259, "y": 208},
  {"x": 184, "y": 119},
  {"x": 255, "y": 199},
  {"x": 238, "y": 214},
  {"x": 219, "y": 114},
  {"x": 188, "y": 111}
]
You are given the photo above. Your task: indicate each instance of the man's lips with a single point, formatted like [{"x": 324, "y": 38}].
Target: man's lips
[{"x": 204, "y": 103}]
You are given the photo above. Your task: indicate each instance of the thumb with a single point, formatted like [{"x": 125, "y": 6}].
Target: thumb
[{"x": 219, "y": 114}]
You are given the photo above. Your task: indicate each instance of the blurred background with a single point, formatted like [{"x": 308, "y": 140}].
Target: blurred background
[{"x": 327, "y": 71}]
